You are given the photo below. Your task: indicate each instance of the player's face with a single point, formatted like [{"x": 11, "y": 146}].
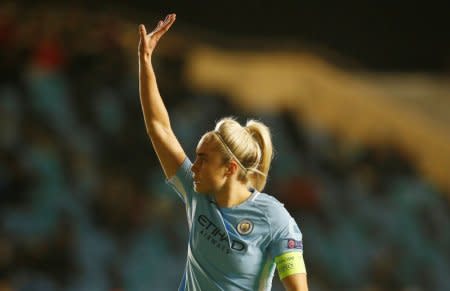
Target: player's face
[{"x": 209, "y": 168}]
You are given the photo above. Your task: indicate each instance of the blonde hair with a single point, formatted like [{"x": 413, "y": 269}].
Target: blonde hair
[{"x": 250, "y": 146}]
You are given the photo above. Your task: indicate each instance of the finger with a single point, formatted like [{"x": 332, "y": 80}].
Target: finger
[
  {"x": 142, "y": 31},
  {"x": 158, "y": 26},
  {"x": 170, "y": 19},
  {"x": 161, "y": 23}
]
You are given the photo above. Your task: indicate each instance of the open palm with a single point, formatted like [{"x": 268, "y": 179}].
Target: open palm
[{"x": 148, "y": 42}]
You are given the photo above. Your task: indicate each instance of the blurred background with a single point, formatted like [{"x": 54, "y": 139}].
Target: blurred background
[{"x": 357, "y": 96}]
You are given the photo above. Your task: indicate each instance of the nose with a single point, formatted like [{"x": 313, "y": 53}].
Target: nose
[{"x": 194, "y": 168}]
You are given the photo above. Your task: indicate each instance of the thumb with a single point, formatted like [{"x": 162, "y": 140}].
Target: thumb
[{"x": 142, "y": 31}]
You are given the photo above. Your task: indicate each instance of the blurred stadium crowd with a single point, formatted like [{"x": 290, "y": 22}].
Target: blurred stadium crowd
[{"x": 84, "y": 205}]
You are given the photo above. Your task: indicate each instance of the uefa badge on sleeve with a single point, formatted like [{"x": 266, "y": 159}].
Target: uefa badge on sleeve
[
  {"x": 294, "y": 244},
  {"x": 245, "y": 227}
]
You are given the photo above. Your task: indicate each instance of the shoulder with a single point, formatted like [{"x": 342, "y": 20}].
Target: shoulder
[{"x": 273, "y": 209}]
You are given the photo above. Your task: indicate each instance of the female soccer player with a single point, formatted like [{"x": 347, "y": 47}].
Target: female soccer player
[{"x": 237, "y": 235}]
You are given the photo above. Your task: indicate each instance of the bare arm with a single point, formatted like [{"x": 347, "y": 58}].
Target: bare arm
[
  {"x": 296, "y": 282},
  {"x": 157, "y": 122}
]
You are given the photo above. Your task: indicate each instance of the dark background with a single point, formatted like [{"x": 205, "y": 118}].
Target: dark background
[{"x": 378, "y": 35}]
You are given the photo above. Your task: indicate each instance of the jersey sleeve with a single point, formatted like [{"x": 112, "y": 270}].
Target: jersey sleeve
[
  {"x": 182, "y": 182},
  {"x": 286, "y": 235},
  {"x": 286, "y": 246}
]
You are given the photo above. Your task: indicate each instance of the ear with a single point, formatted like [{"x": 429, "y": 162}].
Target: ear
[{"x": 231, "y": 168}]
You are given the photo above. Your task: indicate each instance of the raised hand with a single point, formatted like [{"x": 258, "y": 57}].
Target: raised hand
[{"x": 148, "y": 42}]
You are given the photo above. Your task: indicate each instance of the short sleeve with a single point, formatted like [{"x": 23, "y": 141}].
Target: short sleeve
[
  {"x": 182, "y": 181},
  {"x": 286, "y": 235}
]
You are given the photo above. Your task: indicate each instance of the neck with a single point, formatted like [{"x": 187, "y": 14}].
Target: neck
[{"x": 232, "y": 195}]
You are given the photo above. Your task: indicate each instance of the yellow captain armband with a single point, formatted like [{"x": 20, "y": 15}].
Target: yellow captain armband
[{"x": 289, "y": 264}]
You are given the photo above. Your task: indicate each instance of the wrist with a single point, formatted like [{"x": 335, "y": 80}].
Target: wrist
[{"x": 145, "y": 57}]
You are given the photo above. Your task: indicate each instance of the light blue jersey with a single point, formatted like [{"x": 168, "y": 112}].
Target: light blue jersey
[{"x": 233, "y": 248}]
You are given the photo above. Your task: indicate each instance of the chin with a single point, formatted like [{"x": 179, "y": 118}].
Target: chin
[{"x": 199, "y": 189}]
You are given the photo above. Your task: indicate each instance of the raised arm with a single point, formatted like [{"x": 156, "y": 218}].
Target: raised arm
[{"x": 157, "y": 122}]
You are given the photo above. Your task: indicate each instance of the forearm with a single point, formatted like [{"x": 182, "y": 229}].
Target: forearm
[{"x": 153, "y": 107}]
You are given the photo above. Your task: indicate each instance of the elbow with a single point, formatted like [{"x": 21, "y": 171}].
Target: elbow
[{"x": 157, "y": 128}]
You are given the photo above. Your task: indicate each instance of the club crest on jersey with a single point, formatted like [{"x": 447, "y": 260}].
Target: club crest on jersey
[
  {"x": 245, "y": 227},
  {"x": 294, "y": 244}
]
